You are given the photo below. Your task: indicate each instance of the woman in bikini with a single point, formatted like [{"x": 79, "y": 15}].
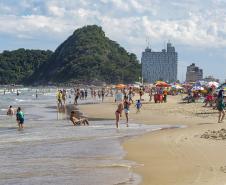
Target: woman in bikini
[{"x": 118, "y": 113}]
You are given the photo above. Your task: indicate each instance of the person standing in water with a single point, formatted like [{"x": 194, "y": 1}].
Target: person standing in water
[
  {"x": 59, "y": 98},
  {"x": 64, "y": 95},
  {"x": 36, "y": 94},
  {"x": 118, "y": 113},
  {"x": 126, "y": 104},
  {"x": 20, "y": 118},
  {"x": 10, "y": 111}
]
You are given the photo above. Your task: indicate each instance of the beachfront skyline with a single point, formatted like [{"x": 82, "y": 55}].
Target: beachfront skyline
[{"x": 195, "y": 28}]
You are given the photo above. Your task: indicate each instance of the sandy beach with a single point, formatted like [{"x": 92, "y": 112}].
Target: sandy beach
[{"x": 191, "y": 155}]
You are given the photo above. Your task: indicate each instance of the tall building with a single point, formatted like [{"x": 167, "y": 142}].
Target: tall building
[
  {"x": 159, "y": 65},
  {"x": 194, "y": 73}
]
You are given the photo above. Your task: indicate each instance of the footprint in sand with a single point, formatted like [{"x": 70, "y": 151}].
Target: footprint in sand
[{"x": 223, "y": 169}]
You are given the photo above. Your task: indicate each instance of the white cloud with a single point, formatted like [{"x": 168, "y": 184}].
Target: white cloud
[
  {"x": 203, "y": 28},
  {"x": 193, "y": 23}
]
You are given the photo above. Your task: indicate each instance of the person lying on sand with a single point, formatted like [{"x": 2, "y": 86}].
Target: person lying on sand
[{"x": 78, "y": 121}]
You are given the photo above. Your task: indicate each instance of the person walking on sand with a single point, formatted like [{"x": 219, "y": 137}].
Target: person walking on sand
[
  {"x": 138, "y": 105},
  {"x": 20, "y": 118},
  {"x": 77, "y": 94},
  {"x": 221, "y": 106},
  {"x": 150, "y": 95},
  {"x": 102, "y": 94},
  {"x": 64, "y": 95},
  {"x": 10, "y": 111},
  {"x": 126, "y": 109},
  {"x": 141, "y": 93},
  {"x": 118, "y": 113}
]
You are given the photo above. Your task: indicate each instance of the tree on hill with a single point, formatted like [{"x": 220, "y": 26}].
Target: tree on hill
[
  {"x": 88, "y": 55},
  {"x": 18, "y": 65}
]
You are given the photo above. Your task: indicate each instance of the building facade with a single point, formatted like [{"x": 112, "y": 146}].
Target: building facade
[
  {"x": 159, "y": 65},
  {"x": 211, "y": 79},
  {"x": 194, "y": 73}
]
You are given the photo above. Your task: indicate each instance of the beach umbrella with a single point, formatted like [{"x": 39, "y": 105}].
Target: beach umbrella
[
  {"x": 213, "y": 84},
  {"x": 120, "y": 86},
  {"x": 161, "y": 84}
]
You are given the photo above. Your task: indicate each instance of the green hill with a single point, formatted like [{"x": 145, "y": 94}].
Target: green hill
[
  {"x": 17, "y": 66},
  {"x": 86, "y": 56}
]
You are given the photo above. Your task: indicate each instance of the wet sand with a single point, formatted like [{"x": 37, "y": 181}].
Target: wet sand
[{"x": 173, "y": 156}]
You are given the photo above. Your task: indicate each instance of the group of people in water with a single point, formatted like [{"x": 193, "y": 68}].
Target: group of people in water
[{"x": 19, "y": 116}]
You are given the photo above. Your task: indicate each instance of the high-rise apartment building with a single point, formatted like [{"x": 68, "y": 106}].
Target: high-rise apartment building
[
  {"x": 194, "y": 73},
  {"x": 159, "y": 65}
]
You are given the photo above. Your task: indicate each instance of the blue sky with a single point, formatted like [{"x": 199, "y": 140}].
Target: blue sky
[{"x": 197, "y": 28}]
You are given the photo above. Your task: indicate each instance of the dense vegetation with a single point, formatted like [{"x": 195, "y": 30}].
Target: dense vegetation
[
  {"x": 17, "y": 66},
  {"x": 88, "y": 55},
  {"x": 85, "y": 57}
]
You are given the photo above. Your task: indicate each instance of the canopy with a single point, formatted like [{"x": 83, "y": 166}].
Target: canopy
[{"x": 120, "y": 86}]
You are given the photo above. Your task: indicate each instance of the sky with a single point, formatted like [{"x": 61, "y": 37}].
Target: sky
[{"x": 197, "y": 28}]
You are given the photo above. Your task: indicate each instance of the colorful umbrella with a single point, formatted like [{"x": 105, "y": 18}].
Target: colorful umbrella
[
  {"x": 161, "y": 84},
  {"x": 213, "y": 84}
]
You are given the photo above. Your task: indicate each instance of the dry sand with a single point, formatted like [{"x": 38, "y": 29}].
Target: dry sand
[{"x": 174, "y": 156}]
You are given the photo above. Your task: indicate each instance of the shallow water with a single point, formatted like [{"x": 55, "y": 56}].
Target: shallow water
[{"x": 52, "y": 151}]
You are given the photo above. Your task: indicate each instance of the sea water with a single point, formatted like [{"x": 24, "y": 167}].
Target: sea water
[{"x": 52, "y": 151}]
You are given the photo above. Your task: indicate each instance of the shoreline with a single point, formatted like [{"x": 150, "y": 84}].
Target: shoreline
[{"x": 181, "y": 156}]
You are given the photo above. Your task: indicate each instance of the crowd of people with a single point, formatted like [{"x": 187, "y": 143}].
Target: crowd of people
[{"x": 124, "y": 98}]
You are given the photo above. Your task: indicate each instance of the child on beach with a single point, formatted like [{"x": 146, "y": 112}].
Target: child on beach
[
  {"x": 77, "y": 121},
  {"x": 138, "y": 105},
  {"x": 20, "y": 118}
]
